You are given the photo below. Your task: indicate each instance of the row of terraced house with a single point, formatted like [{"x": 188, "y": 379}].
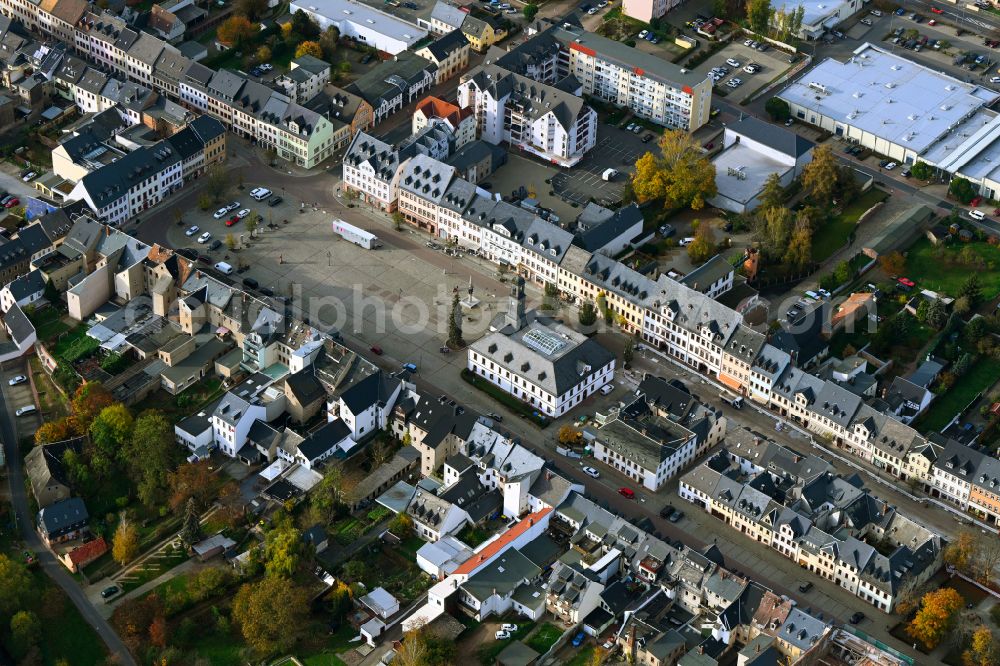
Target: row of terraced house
[{"x": 678, "y": 316}]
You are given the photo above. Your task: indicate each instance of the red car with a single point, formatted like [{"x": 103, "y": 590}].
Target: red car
[
  {"x": 906, "y": 282},
  {"x": 937, "y": 11},
  {"x": 376, "y": 350},
  {"x": 13, "y": 202},
  {"x": 626, "y": 492},
  {"x": 233, "y": 220},
  {"x": 975, "y": 202}
]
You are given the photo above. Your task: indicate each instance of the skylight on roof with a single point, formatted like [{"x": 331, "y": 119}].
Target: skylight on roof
[{"x": 543, "y": 341}]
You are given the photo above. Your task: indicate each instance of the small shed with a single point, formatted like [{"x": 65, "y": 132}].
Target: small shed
[
  {"x": 212, "y": 546},
  {"x": 371, "y": 630},
  {"x": 380, "y": 602}
]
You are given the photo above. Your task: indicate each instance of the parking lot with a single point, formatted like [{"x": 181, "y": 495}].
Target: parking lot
[
  {"x": 616, "y": 148},
  {"x": 772, "y": 63},
  {"x": 17, "y": 397}
]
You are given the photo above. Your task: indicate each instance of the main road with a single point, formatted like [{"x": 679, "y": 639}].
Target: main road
[{"x": 50, "y": 565}]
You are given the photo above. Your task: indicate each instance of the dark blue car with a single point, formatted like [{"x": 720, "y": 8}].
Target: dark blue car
[{"x": 578, "y": 639}]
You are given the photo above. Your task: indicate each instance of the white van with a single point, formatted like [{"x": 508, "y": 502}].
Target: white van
[
  {"x": 260, "y": 193},
  {"x": 27, "y": 409},
  {"x": 609, "y": 174},
  {"x": 224, "y": 268},
  {"x": 607, "y": 388},
  {"x": 977, "y": 215}
]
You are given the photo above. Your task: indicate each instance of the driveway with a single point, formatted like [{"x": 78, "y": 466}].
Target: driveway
[{"x": 52, "y": 567}]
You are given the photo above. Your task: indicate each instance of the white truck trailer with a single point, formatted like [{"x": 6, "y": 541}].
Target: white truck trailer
[{"x": 353, "y": 234}]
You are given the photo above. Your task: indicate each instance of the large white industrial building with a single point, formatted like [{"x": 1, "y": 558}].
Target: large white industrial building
[
  {"x": 368, "y": 25},
  {"x": 904, "y": 111}
]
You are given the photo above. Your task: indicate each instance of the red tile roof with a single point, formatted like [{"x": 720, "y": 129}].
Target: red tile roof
[
  {"x": 88, "y": 552},
  {"x": 501, "y": 543}
]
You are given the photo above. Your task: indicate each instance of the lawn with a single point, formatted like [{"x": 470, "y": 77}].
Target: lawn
[
  {"x": 983, "y": 374},
  {"x": 67, "y": 637},
  {"x": 75, "y": 344},
  {"x": 219, "y": 649},
  {"x": 336, "y": 644},
  {"x": 833, "y": 235},
  {"x": 52, "y": 402},
  {"x": 48, "y": 323},
  {"x": 940, "y": 268},
  {"x": 152, "y": 568},
  {"x": 583, "y": 657},
  {"x": 177, "y": 407},
  {"x": 544, "y": 638}
]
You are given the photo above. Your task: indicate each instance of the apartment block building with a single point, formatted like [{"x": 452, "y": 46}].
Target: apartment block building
[
  {"x": 550, "y": 121},
  {"x": 650, "y": 87}
]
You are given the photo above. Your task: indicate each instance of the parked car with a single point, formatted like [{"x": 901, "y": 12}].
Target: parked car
[
  {"x": 14, "y": 201},
  {"x": 667, "y": 511},
  {"x": 937, "y": 11},
  {"x": 591, "y": 472},
  {"x": 642, "y": 34},
  {"x": 650, "y": 137},
  {"x": 686, "y": 241},
  {"x": 109, "y": 591},
  {"x": 192, "y": 230},
  {"x": 626, "y": 492},
  {"x": 29, "y": 176},
  {"x": 857, "y": 617},
  {"x": 27, "y": 409},
  {"x": 496, "y": 417},
  {"x": 578, "y": 639},
  {"x": 805, "y": 586},
  {"x": 375, "y": 349},
  {"x": 508, "y": 627},
  {"x": 215, "y": 245},
  {"x": 233, "y": 220},
  {"x": 676, "y": 518},
  {"x": 243, "y": 213},
  {"x": 205, "y": 237},
  {"x": 732, "y": 62},
  {"x": 221, "y": 213},
  {"x": 890, "y": 166},
  {"x": 502, "y": 635},
  {"x": 265, "y": 291},
  {"x": 250, "y": 283},
  {"x": 233, "y": 206},
  {"x": 976, "y": 201},
  {"x": 19, "y": 379},
  {"x": 274, "y": 201}
]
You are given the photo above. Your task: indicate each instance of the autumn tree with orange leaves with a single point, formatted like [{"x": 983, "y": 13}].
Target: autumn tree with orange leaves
[
  {"x": 680, "y": 176},
  {"x": 936, "y": 616}
]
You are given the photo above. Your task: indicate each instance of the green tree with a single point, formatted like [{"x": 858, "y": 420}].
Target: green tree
[
  {"x": 682, "y": 175},
  {"x": 108, "y": 434},
  {"x": 972, "y": 289},
  {"x": 772, "y": 228},
  {"x": 778, "y": 109},
  {"x": 230, "y": 242},
  {"x": 150, "y": 455},
  {"x": 88, "y": 401},
  {"x": 125, "y": 546},
  {"x": 204, "y": 201},
  {"x": 962, "y": 189},
  {"x": 937, "y": 314},
  {"x": 628, "y": 352},
  {"x": 356, "y": 571},
  {"x": 304, "y": 26},
  {"x": 15, "y": 586},
  {"x": 843, "y": 273},
  {"x": 25, "y": 632},
  {"x": 921, "y": 171},
  {"x": 606, "y": 311},
  {"x": 530, "y": 11},
  {"x": 401, "y": 526},
  {"x": 759, "y": 14},
  {"x": 329, "y": 41},
  {"x": 263, "y": 54},
  {"x": 587, "y": 314},
  {"x": 252, "y": 222},
  {"x": 191, "y": 528},
  {"x": 398, "y": 219},
  {"x": 253, "y": 9},
  {"x": 272, "y": 614},
  {"x": 819, "y": 177},
  {"x": 283, "y": 551},
  {"x": 327, "y": 497},
  {"x": 455, "y": 339},
  {"x": 773, "y": 193}
]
